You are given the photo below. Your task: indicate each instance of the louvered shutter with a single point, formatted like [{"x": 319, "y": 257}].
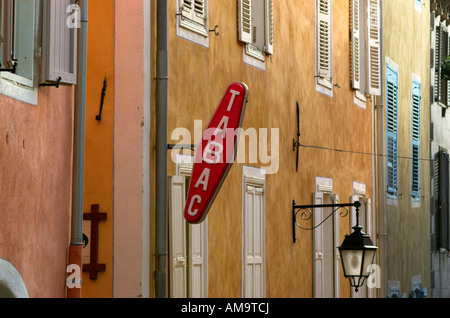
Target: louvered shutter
[
  {"x": 368, "y": 217},
  {"x": 415, "y": 174},
  {"x": 177, "y": 237},
  {"x": 391, "y": 123},
  {"x": 443, "y": 201},
  {"x": 197, "y": 260},
  {"x": 245, "y": 21},
  {"x": 269, "y": 26},
  {"x": 318, "y": 261},
  {"x": 59, "y": 42},
  {"x": 353, "y": 212},
  {"x": 442, "y": 48},
  {"x": 336, "y": 254},
  {"x": 254, "y": 278},
  {"x": 324, "y": 45},
  {"x": 438, "y": 62},
  {"x": 355, "y": 44},
  {"x": 194, "y": 10},
  {"x": 8, "y": 33},
  {"x": 374, "y": 58},
  {"x": 24, "y": 36}
]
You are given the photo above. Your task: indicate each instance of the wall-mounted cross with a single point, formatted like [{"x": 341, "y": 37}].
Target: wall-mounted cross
[{"x": 95, "y": 216}]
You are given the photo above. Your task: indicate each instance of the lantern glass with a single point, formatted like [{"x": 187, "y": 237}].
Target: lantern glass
[
  {"x": 352, "y": 261},
  {"x": 369, "y": 255}
]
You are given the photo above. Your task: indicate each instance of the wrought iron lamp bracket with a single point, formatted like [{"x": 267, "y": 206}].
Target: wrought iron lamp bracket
[{"x": 307, "y": 213}]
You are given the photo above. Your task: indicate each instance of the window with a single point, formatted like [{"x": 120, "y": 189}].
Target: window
[
  {"x": 324, "y": 50},
  {"x": 326, "y": 261},
  {"x": 365, "y": 48},
  {"x": 59, "y": 60},
  {"x": 418, "y": 5},
  {"x": 365, "y": 220},
  {"x": 256, "y": 27},
  {"x": 440, "y": 52},
  {"x": 188, "y": 256},
  {"x": 391, "y": 123},
  {"x": 253, "y": 234},
  {"x": 192, "y": 22},
  {"x": 441, "y": 200},
  {"x": 20, "y": 40},
  {"x": 415, "y": 140}
]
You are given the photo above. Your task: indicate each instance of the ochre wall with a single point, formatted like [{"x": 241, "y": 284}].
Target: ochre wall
[
  {"x": 407, "y": 43},
  {"x": 198, "y": 77}
]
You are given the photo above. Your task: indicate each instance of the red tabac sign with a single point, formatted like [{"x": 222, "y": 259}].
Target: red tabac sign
[{"x": 216, "y": 153}]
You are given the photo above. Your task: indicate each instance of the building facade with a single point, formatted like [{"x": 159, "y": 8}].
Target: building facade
[
  {"x": 403, "y": 116},
  {"x": 36, "y": 149},
  {"x": 287, "y": 53},
  {"x": 439, "y": 207}
]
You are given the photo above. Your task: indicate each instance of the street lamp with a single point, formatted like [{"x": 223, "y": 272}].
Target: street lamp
[
  {"x": 357, "y": 250},
  {"x": 357, "y": 254}
]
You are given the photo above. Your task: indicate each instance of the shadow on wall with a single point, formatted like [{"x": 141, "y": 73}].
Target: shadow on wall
[{"x": 11, "y": 283}]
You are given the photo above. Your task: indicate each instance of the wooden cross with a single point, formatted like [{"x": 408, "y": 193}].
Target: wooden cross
[{"x": 95, "y": 216}]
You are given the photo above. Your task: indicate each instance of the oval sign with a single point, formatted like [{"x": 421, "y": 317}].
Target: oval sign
[{"x": 216, "y": 153}]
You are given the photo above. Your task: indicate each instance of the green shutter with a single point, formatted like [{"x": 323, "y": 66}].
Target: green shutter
[
  {"x": 392, "y": 135},
  {"x": 415, "y": 141},
  {"x": 24, "y": 38}
]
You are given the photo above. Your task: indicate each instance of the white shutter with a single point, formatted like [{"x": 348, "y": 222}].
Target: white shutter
[
  {"x": 324, "y": 45},
  {"x": 197, "y": 260},
  {"x": 355, "y": 44},
  {"x": 59, "y": 42},
  {"x": 368, "y": 217},
  {"x": 336, "y": 255},
  {"x": 318, "y": 265},
  {"x": 245, "y": 21},
  {"x": 269, "y": 27},
  {"x": 194, "y": 10},
  {"x": 177, "y": 237},
  {"x": 353, "y": 212},
  {"x": 254, "y": 246},
  {"x": 374, "y": 57}
]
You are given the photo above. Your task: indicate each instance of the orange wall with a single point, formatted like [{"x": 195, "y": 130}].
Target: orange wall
[{"x": 98, "y": 188}]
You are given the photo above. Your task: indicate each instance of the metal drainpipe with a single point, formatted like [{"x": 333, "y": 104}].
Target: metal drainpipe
[
  {"x": 76, "y": 241},
  {"x": 381, "y": 228},
  {"x": 161, "y": 149}
]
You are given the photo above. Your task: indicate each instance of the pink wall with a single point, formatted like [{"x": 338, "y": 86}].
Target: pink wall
[
  {"x": 128, "y": 148},
  {"x": 35, "y": 183}
]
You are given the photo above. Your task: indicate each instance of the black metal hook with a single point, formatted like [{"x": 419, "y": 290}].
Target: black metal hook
[
  {"x": 296, "y": 144},
  {"x": 215, "y": 30},
  {"x": 102, "y": 99},
  {"x": 58, "y": 81}
]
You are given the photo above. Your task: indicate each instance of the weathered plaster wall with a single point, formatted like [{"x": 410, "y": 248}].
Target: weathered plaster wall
[
  {"x": 198, "y": 77},
  {"x": 99, "y": 162},
  {"x": 407, "y": 43},
  {"x": 35, "y": 161}
]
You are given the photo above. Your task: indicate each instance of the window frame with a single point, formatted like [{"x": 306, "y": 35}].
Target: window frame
[
  {"x": 324, "y": 53},
  {"x": 189, "y": 28},
  {"x": 365, "y": 49},
  {"x": 255, "y": 179},
  {"x": 14, "y": 85},
  {"x": 253, "y": 54}
]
